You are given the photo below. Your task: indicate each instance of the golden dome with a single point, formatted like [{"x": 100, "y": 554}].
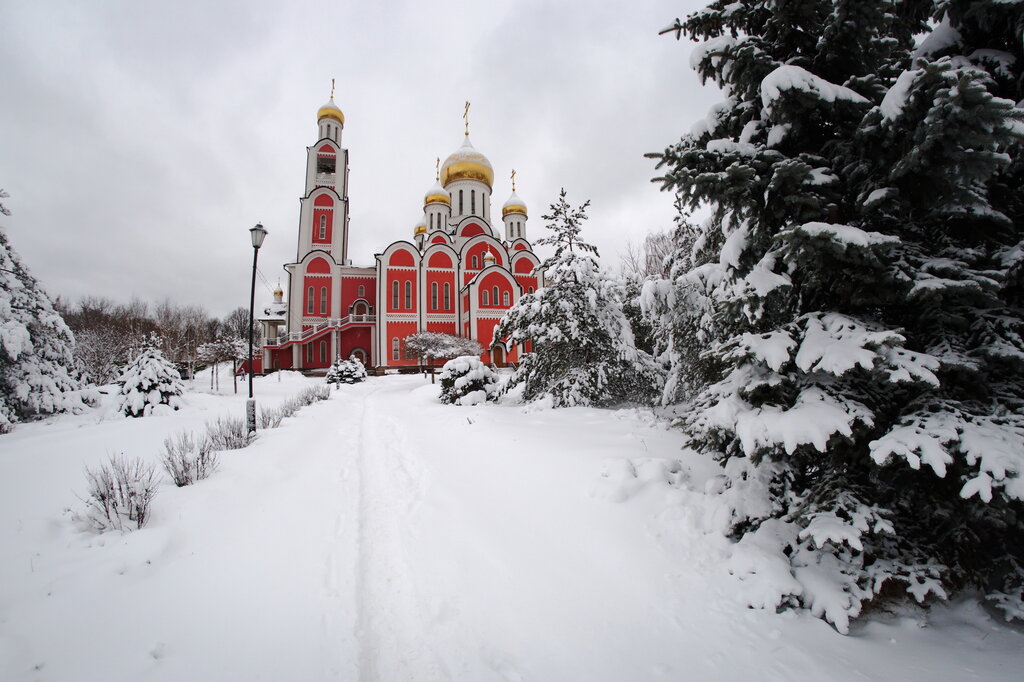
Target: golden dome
[
  {"x": 513, "y": 205},
  {"x": 421, "y": 228},
  {"x": 437, "y": 195},
  {"x": 488, "y": 257},
  {"x": 331, "y": 110},
  {"x": 466, "y": 163}
]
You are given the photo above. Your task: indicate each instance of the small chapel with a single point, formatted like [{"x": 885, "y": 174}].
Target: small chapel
[{"x": 458, "y": 274}]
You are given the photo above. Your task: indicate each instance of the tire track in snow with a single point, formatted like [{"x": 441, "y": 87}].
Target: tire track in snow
[{"x": 390, "y": 619}]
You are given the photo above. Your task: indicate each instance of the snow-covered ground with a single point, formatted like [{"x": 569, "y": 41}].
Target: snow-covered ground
[{"x": 383, "y": 536}]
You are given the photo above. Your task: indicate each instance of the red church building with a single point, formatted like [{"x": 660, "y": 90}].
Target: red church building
[{"x": 458, "y": 275}]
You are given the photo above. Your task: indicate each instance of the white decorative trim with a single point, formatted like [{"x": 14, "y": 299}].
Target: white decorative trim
[
  {"x": 318, "y": 274},
  {"x": 451, "y": 269},
  {"x": 490, "y": 314},
  {"x": 403, "y": 268},
  {"x": 441, "y": 318}
]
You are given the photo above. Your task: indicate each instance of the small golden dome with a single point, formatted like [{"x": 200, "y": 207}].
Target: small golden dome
[
  {"x": 466, "y": 163},
  {"x": 331, "y": 110},
  {"x": 437, "y": 195},
  {"x": 421, "y": 228},
  {"x": 513, "y": 205},
  {"x": 488, "y": 257}
]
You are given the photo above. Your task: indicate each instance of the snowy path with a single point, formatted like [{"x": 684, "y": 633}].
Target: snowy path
[{"x": 383, "y": 536}]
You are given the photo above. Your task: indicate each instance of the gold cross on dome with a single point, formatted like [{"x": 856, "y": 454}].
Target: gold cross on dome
[
  {"x": 465, "y": 115},
  {"x": 332, "y": 88},
  {"x": 437, "y": 169},
  {"x": 513, "y": 179}
]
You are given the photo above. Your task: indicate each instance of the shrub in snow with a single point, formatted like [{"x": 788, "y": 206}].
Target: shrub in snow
[
  {"x": 583, "y": 351},
  {"x": 228, "y": 433},
  {"x": 37, "y": 363},
  {"x": 349, "y": 371},
  {"x": 188, "y": 459},
  {"x": 271, "y": 417},
  {"x": 467, "y": 381},
  {"x": 120, "y": 494},
  {"x": 846, "y": 329},
  {"x": 148, "y": 383}
]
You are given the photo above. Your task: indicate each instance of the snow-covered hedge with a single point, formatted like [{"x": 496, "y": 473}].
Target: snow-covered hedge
[
  {"x": 149, "y": 382},
  {"x": 188, "y": 459},
  {"x": 467, "y": 381}
]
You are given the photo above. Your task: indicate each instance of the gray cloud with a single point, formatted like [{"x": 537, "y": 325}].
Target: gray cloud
[{"x": 144, "y": 139}]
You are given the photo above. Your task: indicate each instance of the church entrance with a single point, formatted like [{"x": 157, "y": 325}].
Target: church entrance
[{"x": 498, "y": 355}]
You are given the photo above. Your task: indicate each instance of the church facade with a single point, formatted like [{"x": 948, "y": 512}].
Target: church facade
[{"x": 458, "y": 274}]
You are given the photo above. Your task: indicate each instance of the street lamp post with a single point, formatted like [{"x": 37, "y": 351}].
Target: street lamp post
[{"x": 257, "y": 233}]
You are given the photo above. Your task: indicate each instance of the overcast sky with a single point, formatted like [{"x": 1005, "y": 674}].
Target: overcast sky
[{"x": 141, "y": 140}]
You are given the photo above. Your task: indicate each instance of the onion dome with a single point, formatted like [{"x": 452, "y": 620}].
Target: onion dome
[
  {"x": 437, "y": 195},
  {"x": 488, "y": 258},
  {"x": 331, "y": 110},
  {"x": 421, "y": 228},
  {"x": 466, "y": 163},
  {"x": 513, "y": 205}
]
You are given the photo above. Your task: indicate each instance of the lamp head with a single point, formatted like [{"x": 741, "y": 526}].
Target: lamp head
[{"x": 258, "y": 233}]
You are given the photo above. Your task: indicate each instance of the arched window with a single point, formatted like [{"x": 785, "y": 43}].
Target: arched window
[
  {"x": 447, "y": 296},
  {"x": 433, "y": 296},
  {"x": 323, "y": 351},
  {"x": 472, "y": 201},
  {"x": 323, "y": 227},
  {"x": 530, "y": 291},
  {"x": 394, "y": 295},
  {"x": 483, "y": 298},
  {"x": 460, "y": 202},
  {"x": 408, "y": 295},
  {"x": 309, "y": 352},
  {"x": 504, "y": 298},
  {"x": 323, "y": 300},
  {"x": 474, "y": 263},
  {"x": 394, "y": 348},
  {"x": 309, "y": 301},
  {"x": 362, "y": 291},
  {"x": 494, "y": 296},
  {"x": 431, "y": 221}
]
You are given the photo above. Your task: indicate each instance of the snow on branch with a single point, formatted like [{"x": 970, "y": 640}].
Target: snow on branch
[{"x": 788, "y": 78}]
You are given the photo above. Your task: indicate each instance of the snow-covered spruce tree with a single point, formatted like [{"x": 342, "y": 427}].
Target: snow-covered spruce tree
[
  {"x": 333, "y": 375},
  {"x": 351, "y": 371},
  {"x": 583, "y": 351},
  {"x": 37, "y": 375},
  {"x": 857, "y": 288},
  {"x": 148, "y": 383}
]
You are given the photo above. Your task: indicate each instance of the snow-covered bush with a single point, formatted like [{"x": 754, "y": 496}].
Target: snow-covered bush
[
  {"x": 228, "y": 433},
  {"x": 467, "y": 381},
  {"x": 351, "y": 372},
  {"x": 271, "y": 417},
  {"x": 120, "y": 494},
  {"x": 187, "y": 458},
  {"x": 333, "y": 373},
  {"x": 148, "y": 383},
  {"x": 37, "y": 363}
]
